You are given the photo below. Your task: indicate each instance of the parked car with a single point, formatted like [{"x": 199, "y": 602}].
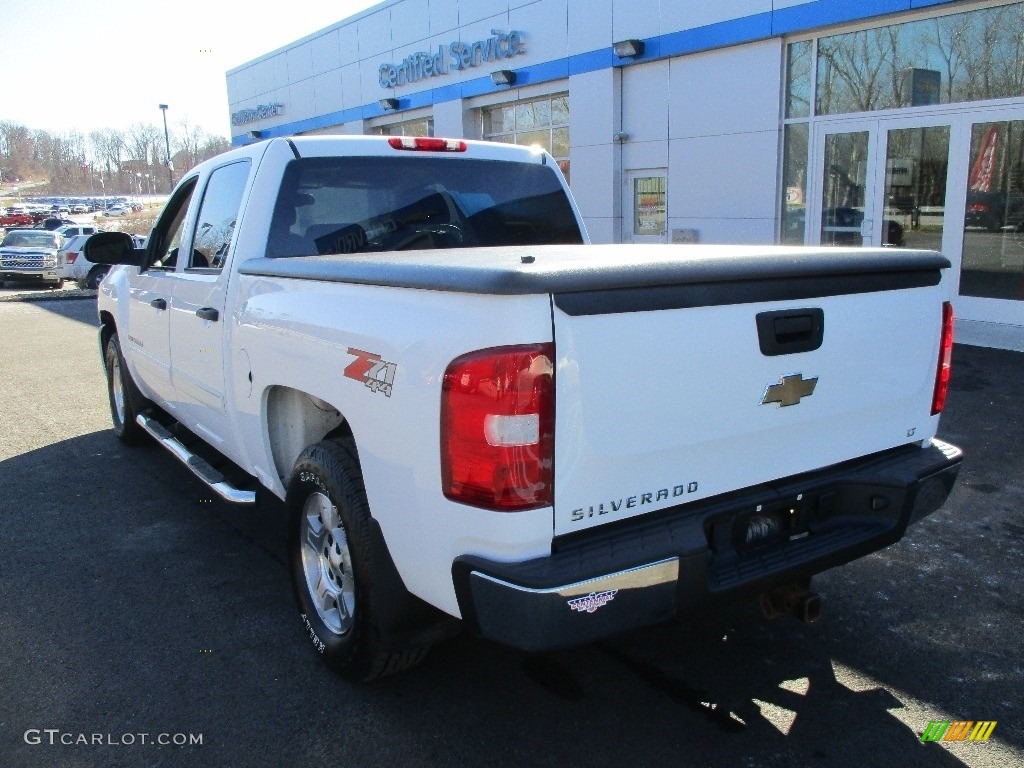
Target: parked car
[
  {"x": 53, "y": 223},
  {"x": 30, "y": 254},
  {"x": 71, "y": 230},
  {"x": 117, "y": 210},
  {"x": 79, "y": 208},
  {"x": 73, "y": 265}
]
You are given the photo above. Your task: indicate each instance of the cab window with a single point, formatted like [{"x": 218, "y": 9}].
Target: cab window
[{"x": 218, "y": 213}]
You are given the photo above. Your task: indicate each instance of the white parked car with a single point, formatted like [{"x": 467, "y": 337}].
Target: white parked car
[
  {"x": 73, "y": 265},
  {"x": 73, "y": 230},
  {"x": 118, "y": 210}
]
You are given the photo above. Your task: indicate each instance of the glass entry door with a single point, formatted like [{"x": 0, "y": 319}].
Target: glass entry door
[{"x": 881, "y": 183}]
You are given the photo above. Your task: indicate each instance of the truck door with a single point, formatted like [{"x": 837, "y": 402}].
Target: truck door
[
  {"x": 197, "y": 315},
  {"x": 148, "y": 339}
]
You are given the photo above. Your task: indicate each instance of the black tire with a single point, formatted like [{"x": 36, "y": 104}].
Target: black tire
[
  {"x": 332, "y": 568},
  {"x": 95, "y": 277},
  {"x": 126, "y": 402}
]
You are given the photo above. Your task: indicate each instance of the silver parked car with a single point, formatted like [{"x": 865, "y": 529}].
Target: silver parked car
[{"x": 30, "y": 254}]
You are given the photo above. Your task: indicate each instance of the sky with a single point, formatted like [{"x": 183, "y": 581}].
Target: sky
[{"x": 84, "y": 65}]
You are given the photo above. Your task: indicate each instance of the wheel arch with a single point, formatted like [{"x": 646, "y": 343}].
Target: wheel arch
[
  {"x": 108, "y": 327},
  {"x": 296, "y": 419}
]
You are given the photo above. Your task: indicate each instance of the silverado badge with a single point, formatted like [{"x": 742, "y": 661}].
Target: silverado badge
[{"x": 789, "y": 390}]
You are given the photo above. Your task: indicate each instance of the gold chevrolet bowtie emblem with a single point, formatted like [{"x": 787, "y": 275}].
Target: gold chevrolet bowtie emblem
[{"x": 789, "y": 390}]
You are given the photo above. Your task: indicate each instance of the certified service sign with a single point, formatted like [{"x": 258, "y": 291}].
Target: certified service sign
[{"x": 455, "y": 56}]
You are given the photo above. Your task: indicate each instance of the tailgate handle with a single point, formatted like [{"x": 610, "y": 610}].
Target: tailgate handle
[{"x": 789, "y": 331}]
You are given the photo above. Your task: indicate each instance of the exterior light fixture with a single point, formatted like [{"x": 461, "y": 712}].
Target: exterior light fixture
[
  {"x": 388, "y": 103},
  {"x": 503, "y": 77},
  {"x": 628, "y": 49}
]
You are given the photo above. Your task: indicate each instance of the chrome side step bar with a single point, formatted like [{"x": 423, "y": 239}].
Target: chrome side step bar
[{"x": 199, "y": 466}]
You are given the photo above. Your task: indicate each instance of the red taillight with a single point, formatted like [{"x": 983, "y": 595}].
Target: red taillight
[
  {"x": 497, "y": 428},
  {"x": 71, "y": 256},
  {"x": 427, "y": 144},
  {"x": 977, "y": 208},
  {"x": 945, "y": 359}
]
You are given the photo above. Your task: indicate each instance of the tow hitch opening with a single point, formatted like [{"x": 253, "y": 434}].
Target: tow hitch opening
[{"x": 796, "y": 600}]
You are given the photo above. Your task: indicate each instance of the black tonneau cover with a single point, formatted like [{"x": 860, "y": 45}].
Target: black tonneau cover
[{"x": 584, "y": 278}]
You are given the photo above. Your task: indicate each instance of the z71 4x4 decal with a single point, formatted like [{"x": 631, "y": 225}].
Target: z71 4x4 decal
[{"x": 371, "y": 371}]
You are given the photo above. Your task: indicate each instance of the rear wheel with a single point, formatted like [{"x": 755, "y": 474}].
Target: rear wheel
[{"x": 333, "y": 572}]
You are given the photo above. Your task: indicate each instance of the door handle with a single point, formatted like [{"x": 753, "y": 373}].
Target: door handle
[
  {"x": 208, "y": 313},
  {"x": 158, "y": 303}
]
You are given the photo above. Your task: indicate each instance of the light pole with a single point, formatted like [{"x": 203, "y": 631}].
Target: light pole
[{"x": 167, "y": 141}]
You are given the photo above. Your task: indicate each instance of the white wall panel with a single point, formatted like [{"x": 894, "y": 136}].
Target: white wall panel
[
  {"x": 351, "y": 85},
  {"x": 727, "y": 231},
  {"x": 731, "y": 90},
  {"x": 444, "y": 16},
  {"x": 328, "y": 93},
  {"x": 637, "y": 155},
  {"x": 374, "y": 32},
  {"x": 369, "y": 82},
  {"x": 300, "y": 100},
  {"x": 645, "y": 94},
  {"x": 602, "y": 229},
  {"x": 594, "y": 107},
  {"x": 731, "y": 176},
  {"x": 636, "y": 18},
  {"x": 593, "y": 178},
  {"x": 244, "y": 86},
  {"x": 348, "y": 44},
  {"x": 475, "y": 10},
  {"x": 547, "y": 30},
  {"x": 410, "y": 22},
  {"x": 300, "y": 62},
  {"x": 326, "y": 51},
  {"x": 590, "y": 25},
  {"x": 690, "y": 14}
]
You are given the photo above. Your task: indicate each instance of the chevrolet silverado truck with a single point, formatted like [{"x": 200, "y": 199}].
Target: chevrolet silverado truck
[
  {"x": 30, "y": 254},
  {"x": 474, "y": 419}
]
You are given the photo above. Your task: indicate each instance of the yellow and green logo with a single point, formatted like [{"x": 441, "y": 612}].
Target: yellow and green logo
[{"x": 958, "y": 730}]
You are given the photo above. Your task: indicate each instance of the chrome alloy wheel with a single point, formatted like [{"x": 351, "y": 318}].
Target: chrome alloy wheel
[
  {"x": 117, "y": 387},
  {"x": 327, "y": 564}
]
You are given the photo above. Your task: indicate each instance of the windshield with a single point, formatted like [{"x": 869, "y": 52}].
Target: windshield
[
  {"x": 363, "y": 204},
  {"x": 21, "y": 238}
]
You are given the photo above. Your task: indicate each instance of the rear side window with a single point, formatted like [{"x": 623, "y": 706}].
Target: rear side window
[{"x": 366, "y": 204}]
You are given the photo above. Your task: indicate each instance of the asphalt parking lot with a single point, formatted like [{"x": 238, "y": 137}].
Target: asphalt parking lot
[{"x": 137, "y": 614}]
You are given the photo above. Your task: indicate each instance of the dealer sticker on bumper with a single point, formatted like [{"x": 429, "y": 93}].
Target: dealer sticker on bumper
[{"x": 593, "y": 601}]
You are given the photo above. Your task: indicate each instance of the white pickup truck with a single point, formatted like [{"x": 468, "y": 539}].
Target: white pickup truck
[{"x": 476, "y": 419}]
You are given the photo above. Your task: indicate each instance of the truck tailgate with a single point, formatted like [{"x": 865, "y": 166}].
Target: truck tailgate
[{"x": 676, "y": 393}]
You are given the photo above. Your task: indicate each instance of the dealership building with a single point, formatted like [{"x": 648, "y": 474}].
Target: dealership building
[{"x": 882, "y": 122}]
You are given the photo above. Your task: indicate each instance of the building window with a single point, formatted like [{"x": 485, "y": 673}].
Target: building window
[
  {"x": 541, "y": 122},
  {"x": 993, "y": 255},
  {"x": 422, "y": 127},
  {"x": 963, "y": 57}
]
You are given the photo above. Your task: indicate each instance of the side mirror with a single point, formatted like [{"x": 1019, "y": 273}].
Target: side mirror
[{"x": 112, "y": 248}]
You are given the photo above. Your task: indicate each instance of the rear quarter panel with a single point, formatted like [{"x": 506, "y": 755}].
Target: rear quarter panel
[{"x": 300, "y": 334}]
